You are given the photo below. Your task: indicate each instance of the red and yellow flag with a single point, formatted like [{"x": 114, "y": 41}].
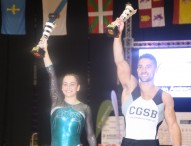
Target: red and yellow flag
[
  {"x": 151, "y": 13},
  {"x": 182, "y": 12},
  {"x": 100, "y": 14}
]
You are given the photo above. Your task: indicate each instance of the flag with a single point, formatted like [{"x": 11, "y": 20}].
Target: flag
[
  {"x": 100, "y": 14},
  {"x": 151, "y": 13},
  {"x": 13, "y": 17},
  {"x": 49, "y": 6},
  {"x": 182, "y": 13}
]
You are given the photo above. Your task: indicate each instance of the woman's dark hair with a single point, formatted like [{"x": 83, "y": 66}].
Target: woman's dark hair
[{"x": 75, "y": 76}]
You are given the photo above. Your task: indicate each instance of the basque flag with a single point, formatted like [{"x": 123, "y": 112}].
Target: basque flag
[
  {"x": 100, "y": 14},
  {"x": 13, "y": 17}
]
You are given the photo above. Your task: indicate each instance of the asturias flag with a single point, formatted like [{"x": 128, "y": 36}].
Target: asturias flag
[
  {"x": 182, "y": 12},
  {"x": 151, "y": 13},
  {"x": 13, "y": 17},
  {"x": 100, "y": 14}
]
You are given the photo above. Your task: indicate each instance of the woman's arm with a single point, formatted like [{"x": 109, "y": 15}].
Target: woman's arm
[
  {"x": 44, "y": 45},
  {"x": 89, "y": 128},
  {"x": 56, "y": 97}
]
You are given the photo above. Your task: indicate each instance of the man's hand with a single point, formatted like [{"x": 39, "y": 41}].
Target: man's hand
[{"x": 120, "y": 24}]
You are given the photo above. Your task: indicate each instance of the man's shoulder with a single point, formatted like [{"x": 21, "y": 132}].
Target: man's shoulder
[
  {"x": 166, "y": 94},
  {"x": 167, "y": 98}
]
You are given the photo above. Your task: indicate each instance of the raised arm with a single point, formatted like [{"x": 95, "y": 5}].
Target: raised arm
[
  {"x": 43, "y": 44},
  {"x": 56, "y": 96},
  {"x": 89, "y": 128},
  {"x": 126, "y": 79},
  {"x": 171, "y": 121}
]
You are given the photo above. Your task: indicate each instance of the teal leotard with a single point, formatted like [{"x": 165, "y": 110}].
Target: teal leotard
[{"x": 66, "y": 128}]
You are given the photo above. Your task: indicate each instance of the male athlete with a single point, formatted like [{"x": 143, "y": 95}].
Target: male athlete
[{"x": 144, "y": 105}]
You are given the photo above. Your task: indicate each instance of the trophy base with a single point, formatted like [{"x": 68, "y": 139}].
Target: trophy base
[
  {"x": 112, "y": 30},
  {"x": 38, "y": 52}
]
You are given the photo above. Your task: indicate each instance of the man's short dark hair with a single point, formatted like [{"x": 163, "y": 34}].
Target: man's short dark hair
[{"x": 149, "y": 56}]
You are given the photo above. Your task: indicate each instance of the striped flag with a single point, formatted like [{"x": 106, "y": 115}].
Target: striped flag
[
  {"x": 49, "y": 6},
  {"x": 182, "y": 13},
  {"x": 100, "y": 14},
  {"x": 151, "y": 13},
  {"x": 13, "y": 17}
]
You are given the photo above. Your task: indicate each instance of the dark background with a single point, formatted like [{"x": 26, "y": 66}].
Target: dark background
[{"x": 25, "y": 106}]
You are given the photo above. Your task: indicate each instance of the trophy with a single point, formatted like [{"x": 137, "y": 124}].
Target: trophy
[
  {"x": 112, "y": 29},
  {"x": 37, "y": 51}
]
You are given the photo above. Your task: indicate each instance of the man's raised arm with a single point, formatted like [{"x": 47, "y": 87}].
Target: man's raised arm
[{"x": 123, "y": 68}]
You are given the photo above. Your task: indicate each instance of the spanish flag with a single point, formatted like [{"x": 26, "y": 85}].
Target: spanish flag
[{"x": 182, "y": 12}]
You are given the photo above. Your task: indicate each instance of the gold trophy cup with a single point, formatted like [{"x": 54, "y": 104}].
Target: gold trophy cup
[{"x": 111, "y": 29}]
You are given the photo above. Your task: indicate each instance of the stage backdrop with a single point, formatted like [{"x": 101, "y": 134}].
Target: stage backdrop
[{"x": 25, "y": 104}]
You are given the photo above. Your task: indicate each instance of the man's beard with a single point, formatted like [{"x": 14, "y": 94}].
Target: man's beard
[{"x": 147, "y": 79}]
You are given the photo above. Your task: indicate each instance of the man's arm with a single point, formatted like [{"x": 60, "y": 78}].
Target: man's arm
[
  {"x": 171, "y": 121},
  {"x": 126, "y": 79}
]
